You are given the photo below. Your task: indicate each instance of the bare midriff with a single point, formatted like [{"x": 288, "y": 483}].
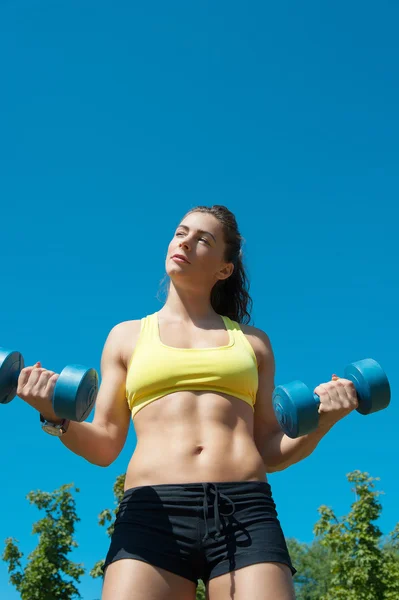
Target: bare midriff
[{"x": 191, "y": 437}]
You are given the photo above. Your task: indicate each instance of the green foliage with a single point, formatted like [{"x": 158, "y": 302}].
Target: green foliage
[
  {"x": 361, "y": 567},
  {"x": 349, "y": 559},
  {"x": 312, "y": 562},
  {"x": 201, "y": 593},
  {"x": 108, "y": 516},
  {"x": 43, "y": 577}
]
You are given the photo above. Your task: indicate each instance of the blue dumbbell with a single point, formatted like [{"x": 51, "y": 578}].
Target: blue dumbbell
[
  {"x": 74, "y": 394},
  {"x": 296, "y": 407}
]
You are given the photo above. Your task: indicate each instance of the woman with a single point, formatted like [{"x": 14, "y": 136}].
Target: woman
[{"x": 198, "y": 384}]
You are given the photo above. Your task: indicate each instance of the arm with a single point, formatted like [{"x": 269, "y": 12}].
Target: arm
[
  {"x": 101, "y": 441},
  {"x": 278, "y": 451},
  {"x": 281, "y": 451}
]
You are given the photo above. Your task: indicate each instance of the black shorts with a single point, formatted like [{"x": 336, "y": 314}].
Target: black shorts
[{"x": 199, "y": 530}]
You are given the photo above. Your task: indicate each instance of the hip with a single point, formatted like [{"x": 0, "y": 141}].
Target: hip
[
  {"x": 193, "y": 513},
  {"x": 200, "y": 529}
]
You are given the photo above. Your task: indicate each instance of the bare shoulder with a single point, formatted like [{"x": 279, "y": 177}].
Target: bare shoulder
[
  {"x": 123, "y": 339},
  {"x": 259, "y": 341}
]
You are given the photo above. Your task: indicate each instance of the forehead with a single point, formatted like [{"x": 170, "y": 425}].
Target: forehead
[{"x": 204, "y": 221}]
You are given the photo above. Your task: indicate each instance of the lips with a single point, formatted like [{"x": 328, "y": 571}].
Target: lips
[{"x": 181, "y": 257}]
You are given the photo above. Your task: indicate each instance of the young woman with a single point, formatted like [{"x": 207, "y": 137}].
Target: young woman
[{"x": 197, "y": 382}]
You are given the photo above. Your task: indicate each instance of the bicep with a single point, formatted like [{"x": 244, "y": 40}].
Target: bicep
[{"x": 111, "y": 409}]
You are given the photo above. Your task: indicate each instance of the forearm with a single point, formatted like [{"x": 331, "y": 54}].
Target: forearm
[
  {"x": 280, "y": 451},
  {"x": 89, "y": 440}
]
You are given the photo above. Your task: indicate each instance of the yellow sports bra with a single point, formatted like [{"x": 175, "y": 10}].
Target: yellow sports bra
[{"x": 156, "y": 370}]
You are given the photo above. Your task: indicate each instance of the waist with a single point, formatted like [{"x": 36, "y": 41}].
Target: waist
[
  {"x": 229, "y": 458},
  {"x": 214, "y": 499},
  {"x": 192, "y": 490}
]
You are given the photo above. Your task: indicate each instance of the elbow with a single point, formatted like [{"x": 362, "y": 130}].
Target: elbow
[
  {"x": 107, "y": 451},
  {"x": 97, "y": 461},
  {"x": 272, "y": 469},
  {"x": 107, "y": 459},
  {"x": 104, "y": 463},
  {"x": 104, "y": 460},
  {"x": 100, "y": 462},
  {"x": 276, "y": 468},
  {"x": 282, "y": 466}
]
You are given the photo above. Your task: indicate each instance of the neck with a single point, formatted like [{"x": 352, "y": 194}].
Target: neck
[{"x": 188, "y": 305}]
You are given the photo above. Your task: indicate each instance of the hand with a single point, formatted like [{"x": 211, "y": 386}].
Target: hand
[
  {"x": 338, "y": 398},
  {"x": 36, "y": 386}
]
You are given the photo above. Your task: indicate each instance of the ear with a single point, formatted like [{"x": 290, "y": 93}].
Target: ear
[{"x": 226, "y": 272}]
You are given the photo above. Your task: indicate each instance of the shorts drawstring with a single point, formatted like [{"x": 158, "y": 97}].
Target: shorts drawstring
[{"x": 212, "y": 487}]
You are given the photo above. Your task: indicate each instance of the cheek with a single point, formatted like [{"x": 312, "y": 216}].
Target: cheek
[
  {"x": 208, "y": 262},
  {"x": 172, "y": 244},
  {"x": 172, "y": 248}
]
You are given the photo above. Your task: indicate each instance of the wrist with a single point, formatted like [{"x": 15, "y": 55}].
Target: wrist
[
  {"x": 51, "y": 418},
  {"x": 325, "y": 423},
  {"x": 43, "y": 407},
  {"x": 57, "y": 427}
]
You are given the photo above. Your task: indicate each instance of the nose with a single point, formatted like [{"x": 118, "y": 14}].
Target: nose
[{"x": 184, "y": 244}]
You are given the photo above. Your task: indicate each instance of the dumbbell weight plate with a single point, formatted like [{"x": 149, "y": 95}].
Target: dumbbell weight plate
[
  {"x": 372, "y": 385},
  {"x": 75, "y": 392},
  {"x": 11, "y": 364},
  {"x": 297, "y": 417}
]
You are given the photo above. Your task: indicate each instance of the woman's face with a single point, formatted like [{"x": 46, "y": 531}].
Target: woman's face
[{"x": 199, "y": 240}]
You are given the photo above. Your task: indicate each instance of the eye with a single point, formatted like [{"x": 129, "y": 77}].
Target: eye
[
  {"x": 179, "y": 233},
  {"x": 204, "y": 240}
]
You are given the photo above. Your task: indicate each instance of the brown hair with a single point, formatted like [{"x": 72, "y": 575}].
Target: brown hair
[{"x": 230, "y": 296}]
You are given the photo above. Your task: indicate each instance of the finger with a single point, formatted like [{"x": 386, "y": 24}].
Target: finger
[
  {"x": 51, "y": 383},
  {"x": 325, "y": 398},
  {"x": 340, "y": 393},
  {"x": 44, "y": 377},
  {"x": 35, "y": 375},
  {"x": 350, "y": 388},
  {"x": 25, "y": 375},
  {"x": 46, "y": 374},
  {"x": 351, "y": 393},
  {"x": 324, "y": 388}
]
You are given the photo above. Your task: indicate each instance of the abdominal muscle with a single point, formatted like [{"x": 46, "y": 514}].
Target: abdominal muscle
[{"x": 190, "y": 437}]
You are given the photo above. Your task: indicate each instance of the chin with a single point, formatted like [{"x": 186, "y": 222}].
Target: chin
[
  {"x": 173, "y": 268},
  {"x": 175, "y": 273}
]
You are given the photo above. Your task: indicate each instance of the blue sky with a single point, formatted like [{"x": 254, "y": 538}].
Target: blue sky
[{"x": 118, "y": 118}]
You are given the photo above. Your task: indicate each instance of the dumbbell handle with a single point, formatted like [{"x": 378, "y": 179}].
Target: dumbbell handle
[{"x": 316, "y": 399}]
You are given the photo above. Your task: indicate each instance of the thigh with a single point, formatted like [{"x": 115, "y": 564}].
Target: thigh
[
  {"x": 152, "y": 553},
  {"x": 249, "y": 535},
  {"x": 129, "y": 579},
  {"x": 262, "y": 581}
]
